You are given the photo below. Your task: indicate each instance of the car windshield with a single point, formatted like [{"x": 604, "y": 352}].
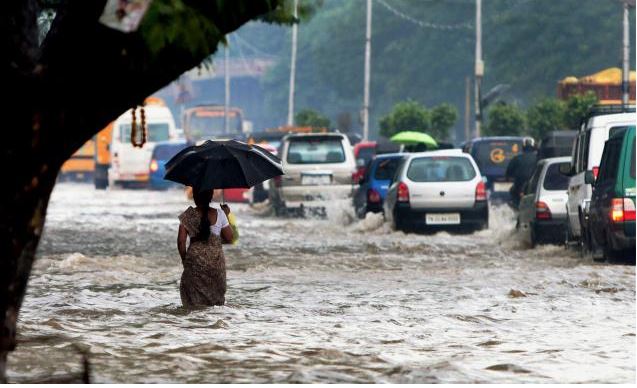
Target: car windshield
[
  {"x": 496, "y": 153},
  {"x": 167, "y": 151},
  {"x": 386, "y": 169},
  {"x": 366, "y": 153},
  {"x": 554, "y": 179},
  {"x": 155, "y": 132},
  {"x": 205, "y": 125},
  {"x": 441, "y": 169},
  {"x": 315, "y": 150}
]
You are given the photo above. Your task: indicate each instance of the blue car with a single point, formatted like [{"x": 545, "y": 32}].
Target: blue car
[
  {"x": 162, "y": 153},
  {"x": 374, "y": 184}
]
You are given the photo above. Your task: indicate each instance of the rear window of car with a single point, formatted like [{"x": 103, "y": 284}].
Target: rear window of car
[
  {"x": 166, "y": 151},
  {"x": 496, "y": 153},
  {"x": 366, "y": 153},
  {"x": 386, "y": 169},
  {"x": 554, "y": 179},
  {"x": 441, "y": 169},
  {"x": 155, "y": 132},
  {"x": 315, "y": 151}
]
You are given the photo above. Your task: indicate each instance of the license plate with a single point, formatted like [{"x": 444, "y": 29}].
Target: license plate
[
  {"x": 315, "y": 180},
  {"x": 502, "y": 186},
  {"x": 442, "y": 218}
]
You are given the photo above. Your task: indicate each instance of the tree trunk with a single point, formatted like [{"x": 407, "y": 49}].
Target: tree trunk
[{"x": 59, "y": 96}]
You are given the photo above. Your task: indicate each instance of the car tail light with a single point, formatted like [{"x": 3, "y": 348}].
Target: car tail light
[
  {"x": 542, "y": 211},
  {"x": 153, "y": 166},
  {"x": 373, "y": 196},
  {"x": 403, "y": 192},
  {"x": 622, "y": 209},
  {"x": 277, "y": 181},
  {"x": 481, "y": 192},
  {"x": 595, "y": 171}
]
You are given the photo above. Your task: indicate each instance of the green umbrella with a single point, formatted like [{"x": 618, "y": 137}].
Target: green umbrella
[{"x": 413, "y": 137}]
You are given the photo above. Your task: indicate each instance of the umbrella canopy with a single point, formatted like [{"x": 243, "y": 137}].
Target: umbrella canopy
[
  {"x": 413, "y": 137},
  {"x": 223, "y": 165}
]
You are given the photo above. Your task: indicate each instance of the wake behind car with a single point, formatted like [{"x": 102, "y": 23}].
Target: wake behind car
[
  {"x": 542, "y": 212},
  {"x": 437, "y": 189},
  {"x": 612, "y": 207},
  {"x": 318, "y": 168}
]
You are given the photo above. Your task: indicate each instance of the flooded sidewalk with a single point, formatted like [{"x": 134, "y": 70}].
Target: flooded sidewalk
[{"x": 336, "y": 300}]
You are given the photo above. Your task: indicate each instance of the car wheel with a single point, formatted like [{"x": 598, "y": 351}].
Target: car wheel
[
  {"x": 596, "y": 249},
  {"x": 609, "y": 252}
]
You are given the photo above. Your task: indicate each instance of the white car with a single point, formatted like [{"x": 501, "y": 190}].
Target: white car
[
  {"x": 437, "y": 189},
  {"x": 587, "y": 154},
  {"x": 542, "y": 211},
  {"x": 318, "y": 168}
]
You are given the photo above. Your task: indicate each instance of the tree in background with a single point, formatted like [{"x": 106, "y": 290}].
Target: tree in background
[
  {"x": 443, "y": 118},
  {"x": 551, "y": 114},
  {"x": 311, "y": 118},
  {"x": 576, "y": 107},
  {"x": 69, "y": 86},
  {"x": 505, "y": 120},
  {"x": 546, "y": 115},
  {"x": 406, "y": 116}
]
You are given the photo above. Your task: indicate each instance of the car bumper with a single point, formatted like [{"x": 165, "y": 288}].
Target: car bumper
[
  {"x": 551, "y": 231},
  {"x": 476, "y": 216},
  {"x": 621, "y": 237}
]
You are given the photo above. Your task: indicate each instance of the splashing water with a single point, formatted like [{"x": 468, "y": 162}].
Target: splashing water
[{"x": 316, "y": 300}]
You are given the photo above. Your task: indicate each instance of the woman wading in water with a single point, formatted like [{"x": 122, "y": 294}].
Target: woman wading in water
[{"x": 203, "y": 282}]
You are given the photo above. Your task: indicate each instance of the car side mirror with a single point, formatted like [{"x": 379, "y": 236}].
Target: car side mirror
[
  {"x": 360, "y": 163},
  {"x": 589, "y": 178},
  {"x": 566, "y": 169}
]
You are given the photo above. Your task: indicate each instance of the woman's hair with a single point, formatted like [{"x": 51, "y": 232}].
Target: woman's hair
[{"x": 202, "y": 200}]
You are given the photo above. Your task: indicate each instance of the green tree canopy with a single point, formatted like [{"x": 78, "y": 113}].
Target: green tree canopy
[
  {"x": 576, "y": 107},
  {"x": 443, "y": 118},
  {"x": 311, "y": 118},
  {"x": 546, "y": 115},
  {"x": 505, "y": 120},
  {"x": 406, "y": 116}
]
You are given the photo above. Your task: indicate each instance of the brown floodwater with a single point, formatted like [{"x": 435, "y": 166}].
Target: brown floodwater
[{"x": 331, "y": 300}]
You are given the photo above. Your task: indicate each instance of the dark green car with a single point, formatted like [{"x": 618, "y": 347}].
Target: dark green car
[{"x": 612, "y": 207}]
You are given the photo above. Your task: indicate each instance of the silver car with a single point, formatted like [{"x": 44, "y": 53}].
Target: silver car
[
  {"x": 438, "y": 189},
  {"x": 318, "y": 168},
  {"x": 542, "y": 216}
]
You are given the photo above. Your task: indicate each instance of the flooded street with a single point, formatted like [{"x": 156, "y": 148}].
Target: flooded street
[{"x": 331, "y": 300}]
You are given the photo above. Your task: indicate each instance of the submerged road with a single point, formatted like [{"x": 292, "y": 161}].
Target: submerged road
[{"x": 333, "y": 300}]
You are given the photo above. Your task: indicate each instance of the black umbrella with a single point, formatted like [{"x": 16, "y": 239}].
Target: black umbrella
[{"x": 222, "y": 165}]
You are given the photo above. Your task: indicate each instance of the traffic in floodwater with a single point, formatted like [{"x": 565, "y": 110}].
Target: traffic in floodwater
[{"x": 334, "y": 299}]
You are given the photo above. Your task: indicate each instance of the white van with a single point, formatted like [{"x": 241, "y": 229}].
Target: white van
[
  {"x": 587, "y": 154},
  {"x": 129, "y": 164}
]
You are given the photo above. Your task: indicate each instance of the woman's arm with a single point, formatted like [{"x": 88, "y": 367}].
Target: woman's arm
[
  {"x": 181, "y": 241},
  {"x": 227, "y": 235}
]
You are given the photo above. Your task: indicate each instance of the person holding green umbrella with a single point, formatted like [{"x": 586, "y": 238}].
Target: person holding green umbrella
[{"x": 415, "y": 141}]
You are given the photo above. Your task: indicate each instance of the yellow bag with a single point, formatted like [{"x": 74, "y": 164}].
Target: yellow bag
[{"x": 235, "y": 230}]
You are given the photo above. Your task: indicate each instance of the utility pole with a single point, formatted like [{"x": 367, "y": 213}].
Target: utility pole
[
  {"x": 467, "y": 108},
  {"x": 295, "y": 32},
  {"x": 479, "y": 68},
  {"x": 626, "y": 58},
  {"x": 368, "y": 55},
  {"x": 226, "y": 76}
]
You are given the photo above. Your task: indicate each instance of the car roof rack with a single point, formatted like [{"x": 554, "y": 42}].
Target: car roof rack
[{"x": 599, "y": 109}]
